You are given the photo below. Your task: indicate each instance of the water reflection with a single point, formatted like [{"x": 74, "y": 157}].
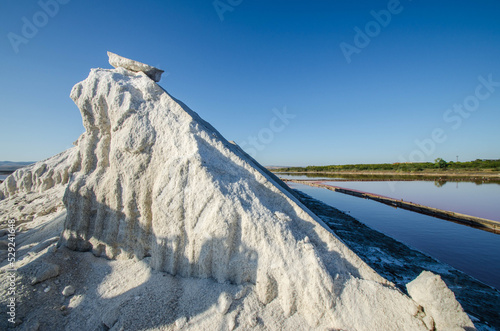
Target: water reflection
[
  {"x": 478, "y": 180},
  {"x": 471, "y": 250},
  {"x": 477, "y": 198},
  {"x": 440, "y": 183}
]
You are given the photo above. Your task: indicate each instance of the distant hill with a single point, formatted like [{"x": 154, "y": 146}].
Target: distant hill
[{"x": 9, "y": 166}]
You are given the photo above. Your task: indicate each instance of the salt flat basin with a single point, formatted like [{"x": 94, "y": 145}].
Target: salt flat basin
[
  {"x": 461, "y": 197},
  {"x": 470, "y": 250},
  {"x": 469, "y": 198}
]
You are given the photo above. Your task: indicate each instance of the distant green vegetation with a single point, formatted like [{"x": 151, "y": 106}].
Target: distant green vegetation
[{"x": 438, "y": 165}]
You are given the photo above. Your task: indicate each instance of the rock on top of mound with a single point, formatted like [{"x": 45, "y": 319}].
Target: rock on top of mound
[{"x": 118, "y": 61}]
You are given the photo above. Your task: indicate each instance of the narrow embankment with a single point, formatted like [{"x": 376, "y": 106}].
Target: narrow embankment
[{"x": 473, "y": 221}]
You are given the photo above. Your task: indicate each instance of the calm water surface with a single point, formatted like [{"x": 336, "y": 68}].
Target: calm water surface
[
  {"x": 481, "y": 200},
  {"x": 462, "y": 197},
  {"x": 472, "y": 251}
]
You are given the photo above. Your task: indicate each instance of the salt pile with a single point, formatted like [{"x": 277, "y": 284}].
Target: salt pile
[{"x": 174, "y": 206}]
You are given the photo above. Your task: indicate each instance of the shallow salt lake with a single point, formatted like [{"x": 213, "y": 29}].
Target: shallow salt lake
[
  {"x": 480, "y": 200},
  {"x": 462, "y": 197},
  {"x": 470, "y": 250}
]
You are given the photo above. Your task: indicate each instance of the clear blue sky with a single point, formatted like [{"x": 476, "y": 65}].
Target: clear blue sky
[{"x": 266, "y": 57}]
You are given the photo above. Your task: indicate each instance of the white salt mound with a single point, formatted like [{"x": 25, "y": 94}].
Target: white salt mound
[
  {"x": 438, "y": 301},
  {"x": 150, "y": 180},
  {"x": 41, "y": 176}
]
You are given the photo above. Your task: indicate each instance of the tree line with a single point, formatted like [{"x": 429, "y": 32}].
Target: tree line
[{"x": 438, "y": 164}]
